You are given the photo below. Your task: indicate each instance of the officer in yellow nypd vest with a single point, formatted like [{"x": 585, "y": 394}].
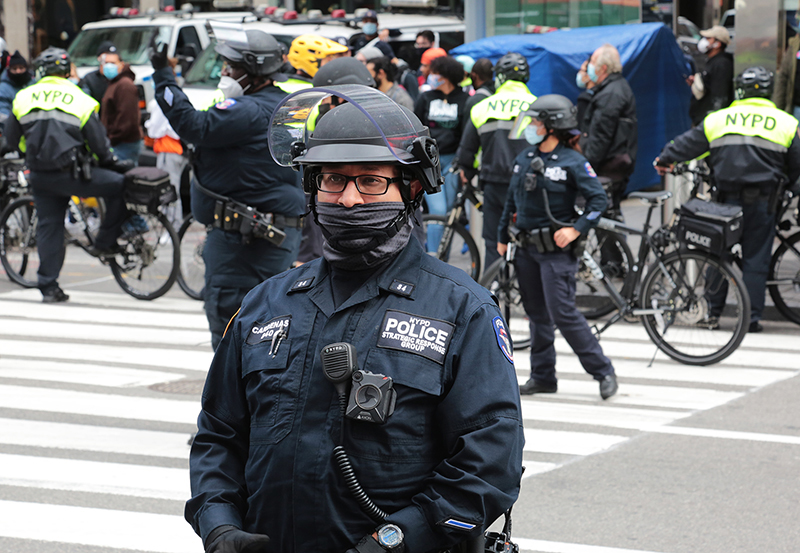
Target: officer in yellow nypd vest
[
  {"x": 488, "y": 131},
  {"x": 754, "y": 150},
  {"x": 54, "y": 123}
]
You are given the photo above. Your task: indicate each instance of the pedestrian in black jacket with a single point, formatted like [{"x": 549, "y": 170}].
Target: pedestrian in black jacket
[
  {"x": 609, "y": 125},
  {"x": 714, "y": 89},
  {"x": 95, "y": 83}
]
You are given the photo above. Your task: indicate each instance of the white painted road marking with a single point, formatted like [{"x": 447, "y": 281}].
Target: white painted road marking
[{"x": 82, "y": 373}]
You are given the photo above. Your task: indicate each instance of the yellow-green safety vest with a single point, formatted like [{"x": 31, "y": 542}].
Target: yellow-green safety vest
[
  {"x": 49, "y": 94},
  {"x": 753, "y": 121},
  {"x": 512, "y": 98}
]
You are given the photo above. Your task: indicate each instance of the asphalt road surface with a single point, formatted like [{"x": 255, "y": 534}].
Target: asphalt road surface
[{"x": 99, "y": 396}]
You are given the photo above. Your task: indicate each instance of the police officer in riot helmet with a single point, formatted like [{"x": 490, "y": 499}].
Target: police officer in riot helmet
[
  {"x": 549, "y": 175},
  {"x": 289, "y": 436},
  {"x": 234, "y": 172},
  {"x": 754, "y": 152},
  {"x": 54, "y": 123}
]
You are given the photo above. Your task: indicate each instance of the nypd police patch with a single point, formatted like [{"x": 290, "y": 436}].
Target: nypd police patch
[{"x": 503, "y": 339}]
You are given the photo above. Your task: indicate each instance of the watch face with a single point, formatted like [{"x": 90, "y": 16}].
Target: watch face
[{"x": 390, "y": 536}]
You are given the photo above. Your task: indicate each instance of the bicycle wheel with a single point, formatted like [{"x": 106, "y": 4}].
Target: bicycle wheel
[
  {"x": 92, "y": 211},
  {"x": 456, "y": 246},
  {"x": 191, "y": 276},
  {"x": 684, "y": 326},
  {"x": 612, "y": 253},
  {"x": 501, "y": 279},
  {"x": 18, "y": 250},
  {"x": 783, "y": 281},
  {"x": 150, "y": 260}
]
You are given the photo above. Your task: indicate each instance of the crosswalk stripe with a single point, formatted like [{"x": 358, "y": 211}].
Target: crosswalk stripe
[
  {"x": 536, "y": 467},
  {"x": 98, "y": 527},
  {"x": 99, "y": 405},
  {"x": 80, "y": 298},
  {"x": 544, "y": 546},
  {"x": 644, "y": 395},
  {"x": 94, "y": 477},
  {"x": 103, "y": 315},
  {"x": 728, "y": 434},
  {"x": 567, "y": 362},
  {"x": 82, "y": 373},
  {"x": 104, "y": 439},
  {"x": 599, "y": 415},
  {"x": 567, "y": 442},
  {"x": 100, "y": 333},
  {"x": 152, "y": 357}
]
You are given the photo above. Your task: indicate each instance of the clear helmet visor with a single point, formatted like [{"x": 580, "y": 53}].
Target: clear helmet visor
[
  {"x": 523, "y": 120},
  {"x": 229, "y": 36},
  {"x": 371, "y": 128}
]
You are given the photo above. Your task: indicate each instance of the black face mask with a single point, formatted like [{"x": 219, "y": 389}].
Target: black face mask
[
  {"x": 19, "y": 79},
  {"x": 362, "y": 236}
]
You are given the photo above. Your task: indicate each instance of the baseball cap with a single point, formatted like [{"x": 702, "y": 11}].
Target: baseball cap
[
  {"x": 719, "y": 33},
  {"x": 106, "y": 47},
  {"x": 431, "y": 54},
  {"x": 370, "y": 14}
]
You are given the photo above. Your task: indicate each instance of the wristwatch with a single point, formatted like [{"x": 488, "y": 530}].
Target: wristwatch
[{"x": 390, "y": 538}]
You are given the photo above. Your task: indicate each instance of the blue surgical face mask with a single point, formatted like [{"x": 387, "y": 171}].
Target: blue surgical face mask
[
  {"x": 370, "y": 29},
  {"x": 434, "y": 81},
  {"x": 532, "y": 135},
  {"x": 579, "y": 81},
  {"x": 591, "y": 72},
  {"x": 110, "y": 70},
  {"x": 74, "y": 80}
]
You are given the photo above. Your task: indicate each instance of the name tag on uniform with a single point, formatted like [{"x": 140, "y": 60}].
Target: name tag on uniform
[
  {"x": 429, "y": 338},
  {"x": 266, "y": 331}
]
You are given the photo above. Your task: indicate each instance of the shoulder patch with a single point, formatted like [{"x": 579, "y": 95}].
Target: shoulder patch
[
  {"x": 302, "y": 284},
  {"x": 264, "y": 332},
  {"x": 503, "y": 339},
  {"x": 429, "y": 338},
  {"x": 225, "y": 104},
  {"x": 401, "y": 288},
  {"x": 589, "y": 169}
]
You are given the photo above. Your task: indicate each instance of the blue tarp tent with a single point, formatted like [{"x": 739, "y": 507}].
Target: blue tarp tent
[{"x": 652, "y": 62}]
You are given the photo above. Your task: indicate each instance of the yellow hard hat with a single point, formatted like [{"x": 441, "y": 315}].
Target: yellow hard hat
[{"x": 308, "y": 50}]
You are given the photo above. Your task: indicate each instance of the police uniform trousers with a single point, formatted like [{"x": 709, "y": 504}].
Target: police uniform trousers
[
  {"x": 547, "y": 287},
  {"x": 51, "y": 193},
  {"x": 494, "y": 200},
  {"x": 758, "y": 235},
  {"x": 234, "y": 268}
]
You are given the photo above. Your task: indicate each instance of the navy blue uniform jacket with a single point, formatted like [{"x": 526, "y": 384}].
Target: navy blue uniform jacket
[
  {"x": 232, "y": 152},
  {"x": 566, "y": 174},
  {"x": 444, "y": 465}
]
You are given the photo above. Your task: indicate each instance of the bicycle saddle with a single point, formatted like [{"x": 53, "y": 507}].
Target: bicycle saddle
[{"x": 652, "y": 197}]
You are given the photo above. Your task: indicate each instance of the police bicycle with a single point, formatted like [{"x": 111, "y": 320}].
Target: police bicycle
[
  {"x": 672, "y": 298},
  {"x": 455, "y": 236},
  {"x": 145, "y": 267},
  {"x": 783, "y": 277}
]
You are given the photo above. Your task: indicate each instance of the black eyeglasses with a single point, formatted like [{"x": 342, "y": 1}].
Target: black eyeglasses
[{"x": 368, "y": 185}]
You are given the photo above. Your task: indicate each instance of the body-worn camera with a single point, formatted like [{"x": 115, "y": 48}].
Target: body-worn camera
[
  {"x": 532, "y": 176},
  {"x": 372, "y": 397}
]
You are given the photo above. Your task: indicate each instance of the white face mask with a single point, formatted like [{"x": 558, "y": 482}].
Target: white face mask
[
  {"x": 230, "y": 87},
  {"x": 703, "y": 46}
]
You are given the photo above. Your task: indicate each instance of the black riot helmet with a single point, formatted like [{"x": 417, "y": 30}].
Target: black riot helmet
[
  {"x": 367, "y": 127},
  {"x": 753, "y": 82},
  {"x": 555, "y": 111},
  {"x": 341, "y": 71},
  {"x": 52, "y": 62},
  {"x": 512, "y": 67},
  {"x": 258, "y": 53}
]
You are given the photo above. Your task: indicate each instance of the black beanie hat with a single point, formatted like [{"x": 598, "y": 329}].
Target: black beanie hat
[{"x": 17, "y": 59}]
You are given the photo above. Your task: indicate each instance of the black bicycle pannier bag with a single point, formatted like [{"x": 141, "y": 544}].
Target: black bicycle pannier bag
[
  {"x": 147, "y": 188},
  {"x": 709, "y": 226}
]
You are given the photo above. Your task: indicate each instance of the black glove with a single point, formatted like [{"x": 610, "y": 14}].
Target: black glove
[
  {"x": 158, "y": 57},
  {"x": 229, "y": 539},
  {"x": 119, "y": 165}
]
